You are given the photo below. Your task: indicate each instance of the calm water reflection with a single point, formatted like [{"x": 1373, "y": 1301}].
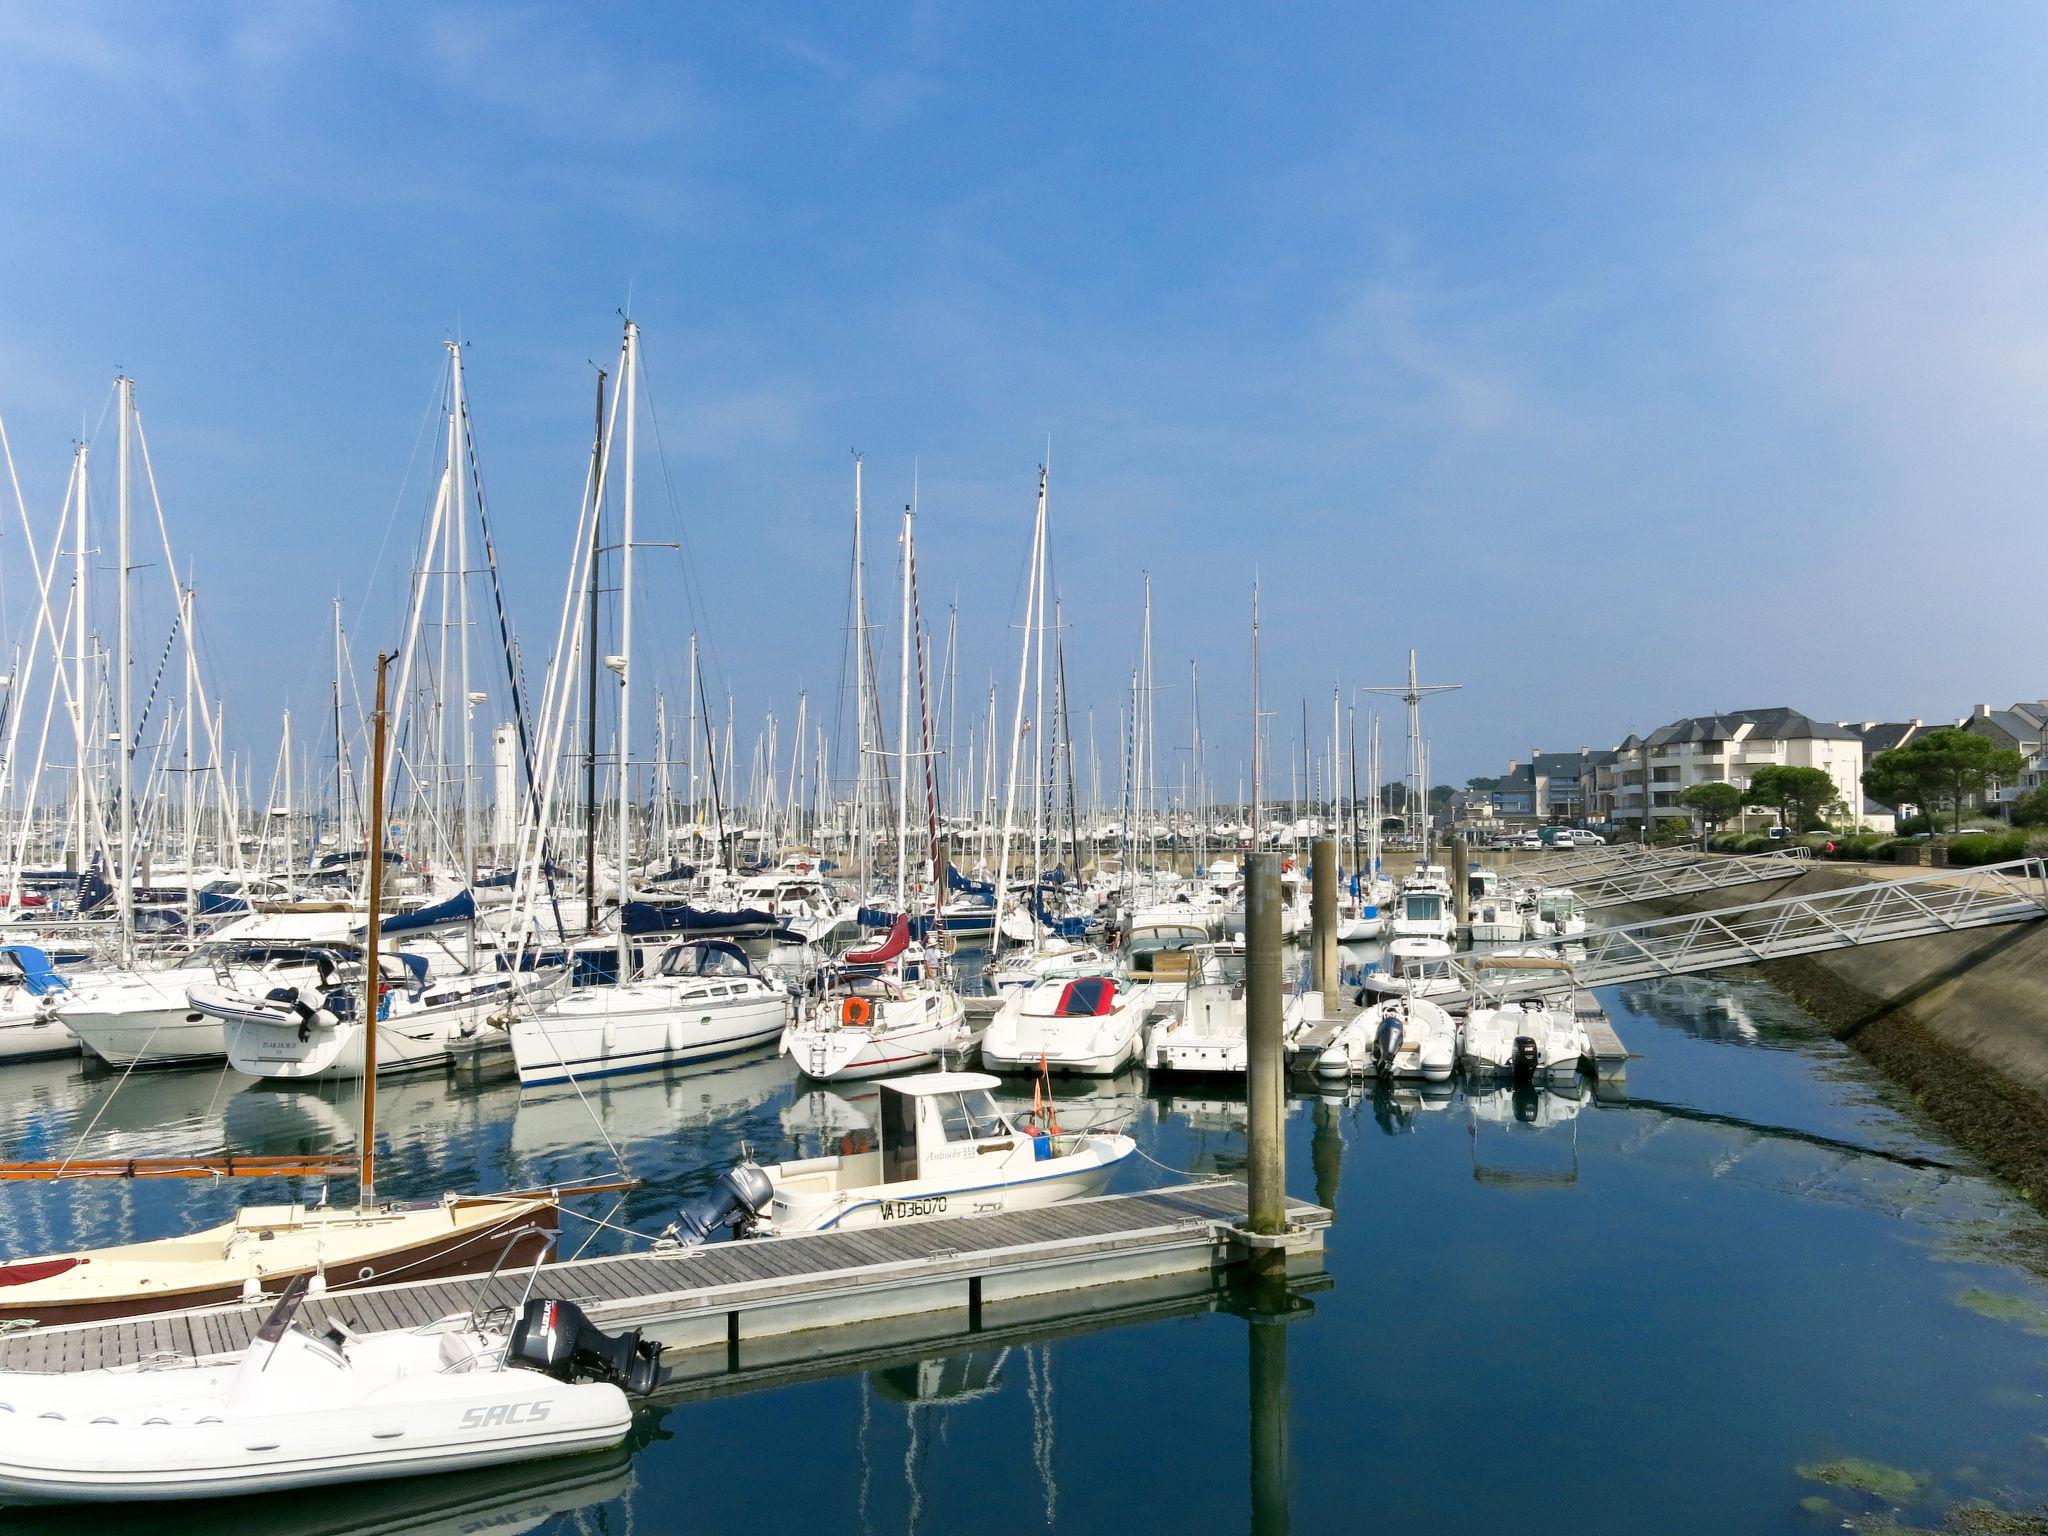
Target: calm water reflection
[{"x": 1547, "y": 1312}]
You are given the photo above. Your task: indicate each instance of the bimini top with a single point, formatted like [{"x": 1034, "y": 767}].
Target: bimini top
[{"x": 940, "y": 1082}]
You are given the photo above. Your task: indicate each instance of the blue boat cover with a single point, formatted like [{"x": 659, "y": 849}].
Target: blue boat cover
[
  {"x": 38, "y": 974},
  {"x": 459, "y": 908},
  {"x": 652, "y": 917}
]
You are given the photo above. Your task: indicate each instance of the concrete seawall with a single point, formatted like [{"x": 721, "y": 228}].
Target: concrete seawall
[{"x": 1959, "y": 1020}]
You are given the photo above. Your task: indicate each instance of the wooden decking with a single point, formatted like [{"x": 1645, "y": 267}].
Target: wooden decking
[{"x": 727, "y": 1292}]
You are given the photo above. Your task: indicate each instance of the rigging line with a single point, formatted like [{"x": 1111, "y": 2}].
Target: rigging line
[
  {"x": 434, "y": 400},
  {"x": 693, "y": 590},
  {"x": 149, "y": 703}
]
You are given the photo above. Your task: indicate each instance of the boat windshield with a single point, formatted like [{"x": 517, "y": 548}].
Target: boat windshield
[
  {"x": 704, "y": 960},
  {"x": 1423, "y": 906},
  {"x": 970, "y": 1116},
  {"x": 1224, "y": 965}
]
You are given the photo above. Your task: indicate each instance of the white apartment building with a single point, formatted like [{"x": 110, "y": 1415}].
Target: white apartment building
[{"x": 1729, "y": 749}]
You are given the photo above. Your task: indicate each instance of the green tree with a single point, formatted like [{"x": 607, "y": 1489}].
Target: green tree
[
  {"x": 1673, "y": 829},
  {"x": 1945, "y": 767},
  {"x": 1717, "y": 804},
  {"x": 1798, "y": 795},
  {"x": 1482, "y": 785},
  {"x": 1440, "y": 796},
  {"x": 2031, "y": 809}
]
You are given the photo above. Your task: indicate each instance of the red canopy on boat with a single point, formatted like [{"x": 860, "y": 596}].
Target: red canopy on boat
[{"x": 894, "y": 945}]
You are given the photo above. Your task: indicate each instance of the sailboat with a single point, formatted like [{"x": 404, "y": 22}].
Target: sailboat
[
  {"x": 880, "y": 1016},
  {"x": 264, "y": 1248}
]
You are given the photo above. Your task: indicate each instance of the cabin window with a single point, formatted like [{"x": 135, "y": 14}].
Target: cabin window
[{"x": 899, "y": 1137}]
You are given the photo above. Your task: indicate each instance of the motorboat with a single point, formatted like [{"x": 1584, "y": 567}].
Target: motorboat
[
  {"x": 1087, "y": 1024},
  {"x": 145, "y": 1017},
  {"x": 869, "y": 1025},
  {"x": 1053, "y": 956},
  {"x": 296, "y": 1410},
  {"x": 31, "y": 992},
  {"x": 1207, "y": 1033},
  {"x": 699, "y": 1000},
  {"x": 942, "y": 1148},
  {"x": 1407, "y": 1037},
  {"x": 314, "y": 1030},
  {"x": 1414, "y": 967},
  {"x": 1532, "y": 1039},
  {"x": 1422, "y": 907}
]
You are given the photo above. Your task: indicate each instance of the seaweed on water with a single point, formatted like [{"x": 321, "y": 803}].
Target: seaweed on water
[
  {"x": 1894, "y": 1485},
  {"x": 2023, "y": 1310}
]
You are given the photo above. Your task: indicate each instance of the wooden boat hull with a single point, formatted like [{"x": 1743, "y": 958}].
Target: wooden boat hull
[{"x": 345, "y": 1246}]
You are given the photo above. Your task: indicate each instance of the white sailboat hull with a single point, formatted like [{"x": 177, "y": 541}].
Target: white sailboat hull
[
  {"x": 905, "y": 1034},
  {"x": 593, "y": 1034}
]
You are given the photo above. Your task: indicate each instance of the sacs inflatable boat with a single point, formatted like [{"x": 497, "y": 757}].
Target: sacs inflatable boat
[{"x": 296, "y": 1411}]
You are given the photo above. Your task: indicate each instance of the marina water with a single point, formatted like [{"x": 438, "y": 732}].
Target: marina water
[{"x": 1751, "y": 1292}]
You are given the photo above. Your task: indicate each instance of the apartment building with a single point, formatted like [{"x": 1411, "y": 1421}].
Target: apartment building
[{"x": 1724, "y": 749}]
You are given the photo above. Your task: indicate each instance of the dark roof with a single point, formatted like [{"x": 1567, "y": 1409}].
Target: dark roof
[
  {"x": 1885, "y": 736},
  {"x": 2022, "y": 723},
  {"x": 1777, "y": 724},
  {"x": 1556, "y": 765}
]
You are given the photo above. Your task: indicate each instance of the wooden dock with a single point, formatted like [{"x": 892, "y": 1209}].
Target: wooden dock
[
  {"x": 725, "y": 1294},
  {"x": 1607, "y": 1057}
]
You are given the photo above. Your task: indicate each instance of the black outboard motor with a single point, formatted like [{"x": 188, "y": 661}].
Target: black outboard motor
[
  {"x": 1525, "y": 1059},
  {"x": 1386, "y": 1042},
  {"x": 738, "y": 1198},
  {"x": 556, "y": 1339}
]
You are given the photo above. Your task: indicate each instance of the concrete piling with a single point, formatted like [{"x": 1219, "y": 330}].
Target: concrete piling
[
  {"x": 1323, "y": 921},
  {"x": 1266, "y": 1084}
]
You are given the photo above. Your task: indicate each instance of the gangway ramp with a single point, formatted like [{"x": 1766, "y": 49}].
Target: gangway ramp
[
  {"x": 1592, "y": 863},
  {"x": 1651, "y": 881},
  {"x": 1939, "y": 901}
]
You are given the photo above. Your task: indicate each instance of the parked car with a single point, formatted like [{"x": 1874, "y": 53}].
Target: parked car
[
  {"x": 1529, "y": 841},
  {"x": 1564, "y": 840},
  {"x": 1589, "y": 839}
]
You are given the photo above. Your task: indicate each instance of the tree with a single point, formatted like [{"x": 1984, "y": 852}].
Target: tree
[
  {"x": 1945, "y": 767},
  {"x": 1716, "y": 804},
  {"x": 2031, "y": 809},
  {"x": 1440, "y": 796},
  {"x": 1673, "y": 829},
  {"x": 1482, "y": 785},
  {"x": 1798, "y": 795}
]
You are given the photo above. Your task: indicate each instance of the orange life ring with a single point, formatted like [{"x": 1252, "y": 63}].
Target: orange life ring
[{"x": 855, "y": 1011}]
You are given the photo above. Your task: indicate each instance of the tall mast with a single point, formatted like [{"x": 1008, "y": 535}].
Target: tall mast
[
  {"x": 126, "y": 875},
  {"x": 285, "y": 753},
  {"x": 1040, "y": 737},
  {"x": 1195, "y": 761},
  {"x": 1415, "y": 817},
  {"x": 192, "y": 704},
  {"x": 1034, "y": 598},
  {"x": 341, "y": 794},
  {"x": 632, "y": 384},
  {"x": 592, "y": 663},
  {"x": 79, "y": 660},
  {"x": 455, "y": 424},
  {"x": 366, "y": 1185},
  {"x": 695, "y": 822},
  {"x": 862, "y": 745},
  {"x": 903, "y": 730}
]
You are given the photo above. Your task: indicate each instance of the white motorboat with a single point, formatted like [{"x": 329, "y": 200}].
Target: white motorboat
[
  {"x": 1414, "y": 968},
  {"x": 145, "y": 1016},
  {"x": 296, "y": 1411},
  {"x": 701, "y": 999},
  {"x": 1207, "y": 1034},
  {"x": 314, "y": 1031},
  {"x": 1409, "y": 1037},
  {"x": 30, "y": 993},
  {"x": 943, "y": 1149},
  {"x": 1053, "y": 957},
  {"x": 1532, "y": 1040},
  {"x": 1422, "y": 907},
  {"x": 1087, "y": 1024}
]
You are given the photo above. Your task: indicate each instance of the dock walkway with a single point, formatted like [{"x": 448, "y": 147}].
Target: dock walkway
[{"x": 724, "y": 1293}]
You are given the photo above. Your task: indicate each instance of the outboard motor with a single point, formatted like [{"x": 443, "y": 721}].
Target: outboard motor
[
  {"x": 1525, "y": 1059},
  {"x": 1386, "y": 1042},
  {"x": 558, "y": 1340},
  {"x": 738, "y": 1198}
]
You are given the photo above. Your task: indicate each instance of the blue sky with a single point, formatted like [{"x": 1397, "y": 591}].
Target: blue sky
[{"x": 1630, "y": 361}]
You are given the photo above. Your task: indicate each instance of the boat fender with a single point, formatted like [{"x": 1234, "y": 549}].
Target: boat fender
[
  {"x": 739, "y": 1196},
  {"x": 557, "y": 1339}
]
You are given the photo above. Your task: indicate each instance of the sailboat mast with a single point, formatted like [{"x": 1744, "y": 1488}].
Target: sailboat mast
[
  {"x": 592, "y": 662},
  {"x": 903, "y": 732},
  {"x": 632, "y": 382},
  {"x": 366, "y": 1183},
  {"x": 126, "y": 874},
  {"x": 1033, "y": 598},
  {"x": 862, "y": 745},
  {"x": 455, "y": 422},
  {"x": 695, "y": 822},
  {"x": 187, "y": 807},
  {"x": 1258, "y": 753}
]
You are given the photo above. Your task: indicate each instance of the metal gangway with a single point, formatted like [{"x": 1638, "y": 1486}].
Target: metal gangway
[
  {"x": 1717, "y": 873},
  {"x": 1592, "y": 863},
  {"x": 1915, "y": 906}
]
